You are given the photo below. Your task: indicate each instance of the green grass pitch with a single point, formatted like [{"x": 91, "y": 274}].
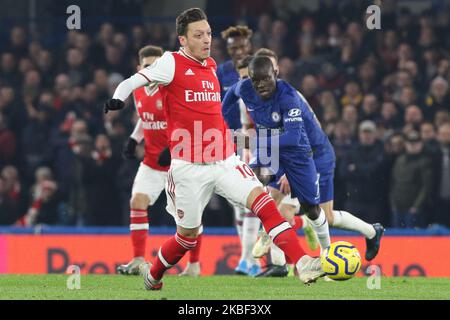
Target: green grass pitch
[{"x": 30, "y": 287}]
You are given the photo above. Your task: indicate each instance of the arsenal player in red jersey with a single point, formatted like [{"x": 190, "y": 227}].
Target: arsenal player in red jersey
[
  {"x": 202, "y": 150},
  {"x": 151, "y": 177}
]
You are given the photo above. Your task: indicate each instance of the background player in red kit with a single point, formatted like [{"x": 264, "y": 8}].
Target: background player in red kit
[
  {"x": 202, "y": 150},
  {"x": 151, "y": 177}
]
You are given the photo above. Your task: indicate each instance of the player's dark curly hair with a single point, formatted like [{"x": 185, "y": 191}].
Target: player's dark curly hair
[
  {"x": 150, "y": 51},
  {"x": 237, "y": 31},
  {"x": 189, "y": 16}
]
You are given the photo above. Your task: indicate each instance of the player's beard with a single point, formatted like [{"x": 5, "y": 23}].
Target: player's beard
[{"x": 200, "y": 53}]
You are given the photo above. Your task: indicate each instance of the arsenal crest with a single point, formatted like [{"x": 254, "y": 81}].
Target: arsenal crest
[
  {"x": 180, "y": 213},
  {"x": 159, "y": 104}
]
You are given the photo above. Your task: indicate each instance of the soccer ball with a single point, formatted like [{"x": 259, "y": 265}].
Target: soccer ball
[{"x": 341, "y": 261}]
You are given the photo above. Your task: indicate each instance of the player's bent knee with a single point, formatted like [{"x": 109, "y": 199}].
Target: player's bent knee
[
  {"x": 139, "y": 201},
  {"x": 252, "y": 196},
  {"x": 188, "y": 233}
]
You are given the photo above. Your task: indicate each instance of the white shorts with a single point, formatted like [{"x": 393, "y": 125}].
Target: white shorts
[
  {"x": 150, "y": 182},
  {"x": 191, "y": 185},
  {"x": 291, "y": 202}
]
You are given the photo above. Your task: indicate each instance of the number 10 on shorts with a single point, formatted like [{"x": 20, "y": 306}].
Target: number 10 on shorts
[{"x": 245, "y": 171}]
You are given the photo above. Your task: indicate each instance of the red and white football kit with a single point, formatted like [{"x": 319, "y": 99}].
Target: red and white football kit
[
  {"x": 202, "y": 149},
  {"x": 203, "y": 158},
  {"x": 152, "y": 127},
  {"x": 150, "y": 178}
]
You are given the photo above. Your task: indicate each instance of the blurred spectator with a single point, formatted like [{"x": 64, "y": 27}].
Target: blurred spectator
[
  {"x": 7, "y": 144},
  {"x": 45, "y": 202},
  {"x": 350, "y": 117},
  {"x": 428, "y": 137},
  {"x": 441, "y": 117},
  {"x": 388, "y": 50},
  {"x": 367, "y": 77},
  {"x": 9, "y": 212},
  {"x": 11, "y": 109},
  {"x": 361, "y": 168},
  {"x": 441, "y": 190},
  {"x": 393, "y": 148},
  {"x": 13, "y": 195},
  {"x": 342, "y": 142},
  {"x": 390, "y": 118},
  {"x": 437, "y": 98},
  {"x": 101, "y": 191},
  {"x": 309, "y": 89},
  {"x": 330, "y": 78},
  {"x": 411, "y": 183},
  {"x": 369, "y": 108},
  {"x": 413, "y": 118},
  {"x": 18, "y": 42},
  {"x": 261, "y": 36},
  {"x": 77, "y": 69},
  {"x": 352, "y": 94},
  {"x": 8, "y": 68}
]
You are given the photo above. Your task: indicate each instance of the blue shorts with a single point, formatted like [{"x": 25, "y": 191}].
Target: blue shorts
[
  {"x": 326, "y": 184},
  {"x": 303, "y": 179}
]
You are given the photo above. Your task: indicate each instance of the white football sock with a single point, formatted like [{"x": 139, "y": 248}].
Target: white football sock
[
  {"x": 320, "y": 226},
  {"x": 277, "y": 255},
  {"x": 345, "y": 220},
  {"x": 238, "y": 217},
  {"x": 250, "y": 228}
]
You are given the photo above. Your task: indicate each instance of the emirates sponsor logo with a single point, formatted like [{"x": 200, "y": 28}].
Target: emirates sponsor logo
[
  {"x": 193, "y": 96},
  {"x": 154, "y": 125},
  {"x": 208, "y": 94}
]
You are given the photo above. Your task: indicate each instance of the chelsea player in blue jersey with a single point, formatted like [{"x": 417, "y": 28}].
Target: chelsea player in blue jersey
[
  {"x": 325, "y": 161},
  {"x": 276, "y": 106}
]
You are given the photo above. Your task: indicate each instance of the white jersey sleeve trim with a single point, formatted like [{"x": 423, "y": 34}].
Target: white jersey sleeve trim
[
  {"x": 162, "y": 71},
  {"x": 138, "y": 132},
  {"x": 126, "y": 87}
]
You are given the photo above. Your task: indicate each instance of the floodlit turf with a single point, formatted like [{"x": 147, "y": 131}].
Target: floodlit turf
[{"x": 31, "y": 287}]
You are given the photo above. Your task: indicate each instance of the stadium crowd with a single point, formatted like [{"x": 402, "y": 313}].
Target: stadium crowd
[{"x": 382, "y": 97}]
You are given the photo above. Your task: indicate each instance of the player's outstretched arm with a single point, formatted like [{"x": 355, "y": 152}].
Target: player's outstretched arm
[{"x": 123, "y": 91}]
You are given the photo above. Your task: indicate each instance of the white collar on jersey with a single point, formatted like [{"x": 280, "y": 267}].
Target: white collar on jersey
[{"x": 185, "y": 54}]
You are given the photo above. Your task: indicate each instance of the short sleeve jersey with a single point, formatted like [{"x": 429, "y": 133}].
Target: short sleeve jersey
[{"x": 192, "y": 104}]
